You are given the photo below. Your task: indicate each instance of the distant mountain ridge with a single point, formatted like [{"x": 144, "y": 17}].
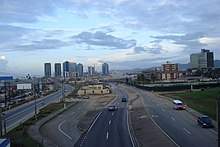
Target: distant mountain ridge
[{"x": 182, "y": 67}]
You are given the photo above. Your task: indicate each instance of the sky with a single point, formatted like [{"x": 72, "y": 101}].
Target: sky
[{"x": 126, "y": 34}]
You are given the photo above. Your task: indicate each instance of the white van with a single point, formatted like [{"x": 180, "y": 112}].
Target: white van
[{"x": 178, "y": 105}]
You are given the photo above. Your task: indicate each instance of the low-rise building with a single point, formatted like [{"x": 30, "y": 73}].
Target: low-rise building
[{"x": 93, "y": 89}]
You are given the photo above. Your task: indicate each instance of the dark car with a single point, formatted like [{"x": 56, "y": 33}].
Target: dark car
[
  {"x": 111, "y": 108},
  {"x": 204, "y": 121},
  {"x": 124, "y": 99}
]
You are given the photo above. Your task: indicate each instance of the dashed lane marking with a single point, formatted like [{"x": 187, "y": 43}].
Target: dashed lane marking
[
  {"x": 173, "y": 118},
  {"x": 186, "y": 130},
  {"x": 107, "y": 135}
]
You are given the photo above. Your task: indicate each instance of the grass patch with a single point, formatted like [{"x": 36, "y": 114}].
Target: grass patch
[
  {"x": 203, "y": 101},
  {"x": 19, "y": 136}
]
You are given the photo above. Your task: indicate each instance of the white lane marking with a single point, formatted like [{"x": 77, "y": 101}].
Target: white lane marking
[
  {"x": 63, "y": 131},
  {"x": 129, "y": 131},
  {"x": 95, "y": 120},
  {"x": 173, "y": 118},
  {"x": 113, "y": 113},
  {"x": 163, "y": 110},
  {"x": 186, "y": 130},
  {"x": 73, "y": 113},
  {"x": 109, "y": 122},
  {"x": 107, "y": 135},
  {"x": 213, "y": 131},
  {"x": 157, "y": 124}
]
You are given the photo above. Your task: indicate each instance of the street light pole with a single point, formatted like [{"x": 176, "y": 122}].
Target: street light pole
[{"x": 35, "y": 102}]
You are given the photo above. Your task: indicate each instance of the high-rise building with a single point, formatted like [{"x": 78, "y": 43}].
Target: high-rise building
[
  {"x": 80, "y": 69},
  {"x": 205, "y": 59},
  {"x": 66, "y": 69},
  {"x": 105, "y": 69},
  {"x": 72, "y": 69},
  {"x": 169, "y": 67},
  {"x": 91, "y": 70},
  {"x": 47, "y": 69},
  {"x": 57, "y": 69}
]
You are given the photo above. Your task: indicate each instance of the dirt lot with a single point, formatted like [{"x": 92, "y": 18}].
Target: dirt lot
[{"x": 97, "y": 102}]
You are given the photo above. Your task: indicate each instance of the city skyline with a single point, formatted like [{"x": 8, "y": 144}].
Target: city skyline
[{"x": 123, "y": 33}]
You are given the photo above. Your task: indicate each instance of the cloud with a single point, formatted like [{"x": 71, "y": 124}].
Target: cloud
[
  {"x": 3, "y": 64},
  {"x": 190, "y": 41},
  {"x": 25, "y": 11},
  {"x": 14, "y": 38},
  {"x": 103, "y": 39},
  {"x": 43, "y": 44},
  {"x": 153, "y": 49}
]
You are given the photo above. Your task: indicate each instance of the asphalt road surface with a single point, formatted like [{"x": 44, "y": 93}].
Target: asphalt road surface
[
  {"x": 110, "y": 128},
  {"x": 61, "y": 130},
  {"x": 21, "y": 113},
  {"x": 179, "y": 125}
]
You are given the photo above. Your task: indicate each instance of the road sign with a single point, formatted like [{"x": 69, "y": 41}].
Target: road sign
[
  {"x": 6, "y": 78},
  {"x": 23, "y": 86}
]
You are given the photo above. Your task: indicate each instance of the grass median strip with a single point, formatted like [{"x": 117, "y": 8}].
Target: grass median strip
[
  {"x": 203, "y": 100},
  {"x": 20, "y": 137}
]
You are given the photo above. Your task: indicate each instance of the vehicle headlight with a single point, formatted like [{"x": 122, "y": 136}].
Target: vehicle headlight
[{"x": 204, "y": 124}]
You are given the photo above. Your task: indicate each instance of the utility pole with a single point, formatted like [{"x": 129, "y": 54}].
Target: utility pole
[
  {"x": 5, "y": 94},
  {"x": 4, "y": 118},
  {"x": 64, "y": 102},
  {"x": 218, "y": 119},
  {"x": 1, "y": 123},
  {"x": 35, "y": 102}
]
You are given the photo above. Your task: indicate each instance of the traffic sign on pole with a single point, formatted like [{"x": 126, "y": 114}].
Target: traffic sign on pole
[{"x": 6, "y": 78}]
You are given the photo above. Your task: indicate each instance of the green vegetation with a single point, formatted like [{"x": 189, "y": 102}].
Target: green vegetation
[
  {"x": 20, "y": 137},
  {"x": 203, "y": 101}
]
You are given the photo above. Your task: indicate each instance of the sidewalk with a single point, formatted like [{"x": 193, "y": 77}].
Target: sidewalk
[{"x": 34, "y": 130}]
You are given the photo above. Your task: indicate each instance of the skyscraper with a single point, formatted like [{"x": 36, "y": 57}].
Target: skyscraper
[
  {"x": 57, "y": 69},
  {"x": 66, "y": 70},
  {"x": 105, "y": 69},
  {"x": 47, "y": 70},
  {"x": 204, "y": 59},
  {"x": 80, "y": 69},
  {"x": 91, "y": 70},
  {"x": 72, "y": 69}
]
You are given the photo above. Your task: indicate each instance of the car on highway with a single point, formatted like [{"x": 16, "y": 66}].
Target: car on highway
[
  {"x": 178, "y": 105},
  {"x": 204, "y": 121},
  {"x": 124, "y": 99},
  {"x": 111, "y": 108}
]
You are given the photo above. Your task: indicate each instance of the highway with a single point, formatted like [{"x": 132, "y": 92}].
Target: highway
[
  {"x": 179, "y": 125},
  {"x": 21, "y": 113},
  {"x": 110, "y": 128}
]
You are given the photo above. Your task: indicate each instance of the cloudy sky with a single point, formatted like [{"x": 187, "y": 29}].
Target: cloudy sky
[{"x": 124, "y": 33}]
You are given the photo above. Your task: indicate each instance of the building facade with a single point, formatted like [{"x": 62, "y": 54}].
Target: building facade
[
  {"x": 169, "y": 66},
  {"x": 91, "y": 70},
  {"x": 57, "y": 67},
  {"x": 93, "y": 89},
  {"x": 80, "y": 69},
  {"x": 105, "y": 69},
  {"x": 47, "y": 70},
  {"x": 72, "y": 69},
  {"x": 205, "y": 59},
  {"x": 66, "y": 70}
]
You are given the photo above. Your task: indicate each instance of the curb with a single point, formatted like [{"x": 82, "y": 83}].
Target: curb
[{"x": 34, "y": 130}]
